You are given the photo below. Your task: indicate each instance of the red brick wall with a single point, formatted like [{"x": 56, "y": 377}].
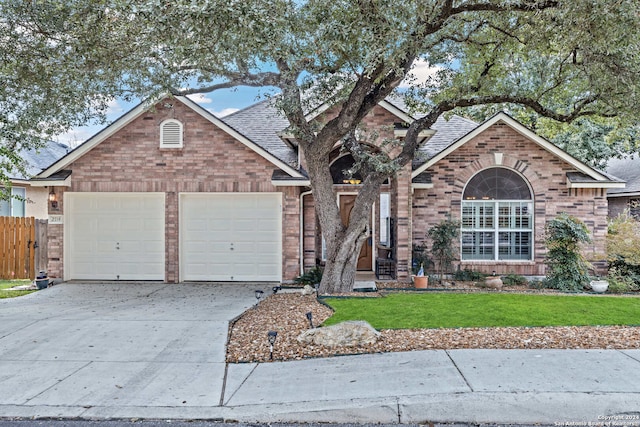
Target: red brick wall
[
  {"x": 545, "y": 173},
  {"x": 211, "y": 161}
]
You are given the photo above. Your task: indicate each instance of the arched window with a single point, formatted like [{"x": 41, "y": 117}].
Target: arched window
[
  {"x": 171, "y": 134},
  {"x": 497, "y": 217}
]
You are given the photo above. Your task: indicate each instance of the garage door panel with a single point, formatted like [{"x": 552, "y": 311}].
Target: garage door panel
[
  {"x": 114, "y": 236},
  {"x": 238, "y": 227}
]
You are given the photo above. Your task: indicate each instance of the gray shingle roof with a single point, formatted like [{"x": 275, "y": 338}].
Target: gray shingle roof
[
  {"x": 447, "y": 132},
  {"x": 261, "y": 123},
  {"x": 41, "y": 158},
  {"x": 627, "y": 169}
]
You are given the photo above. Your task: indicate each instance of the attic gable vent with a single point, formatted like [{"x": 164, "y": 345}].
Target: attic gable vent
[{"x": 171, "y": 134}]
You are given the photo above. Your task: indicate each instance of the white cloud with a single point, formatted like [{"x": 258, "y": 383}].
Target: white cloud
[
  {"x": 114, "y": 107},
  {"x": 420, "y": 72},
  {"x": 200, "y": 98},
  {"x": 223, "y": 112},
  {"x": 76, "y": 136}
]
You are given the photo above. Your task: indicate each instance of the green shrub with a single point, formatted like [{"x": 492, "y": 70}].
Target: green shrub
[
  {"x": 620, "y": 283},
  {"x": 311, "y": 277},
  {"x": 537, "y": 284},
  {"x": 623, "y": 249},
  {"x": 467, "y": 275},
  {"x": 567, "y": 270},
  {"x": 443, "y": 235},
  {"x": 514, "y": 280}
]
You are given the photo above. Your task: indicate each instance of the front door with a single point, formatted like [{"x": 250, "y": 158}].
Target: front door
[{"x": 366, "y": 253}]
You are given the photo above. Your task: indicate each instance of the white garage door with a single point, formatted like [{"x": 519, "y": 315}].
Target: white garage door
[
  {"x": 231, "y": 236},
  {"x": 114, "y": 236}
]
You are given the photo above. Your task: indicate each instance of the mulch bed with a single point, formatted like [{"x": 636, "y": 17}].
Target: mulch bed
[{"x": 285, "y": 313}]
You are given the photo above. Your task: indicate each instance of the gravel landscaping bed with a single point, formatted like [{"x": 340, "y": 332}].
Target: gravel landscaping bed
[{"x": 285, "y": 313}]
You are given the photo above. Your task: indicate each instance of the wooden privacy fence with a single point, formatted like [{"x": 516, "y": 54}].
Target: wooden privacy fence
[{"x": 22, "y": 247}]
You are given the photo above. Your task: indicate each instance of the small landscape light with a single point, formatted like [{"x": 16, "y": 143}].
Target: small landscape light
[
  {"x": 317, "y": 286},
  {"x": 259, "y": 294},
  {"x": 271, "y": 336},
  {"x": 275, "y": 289},
  {"x": 310, "y": 319}
]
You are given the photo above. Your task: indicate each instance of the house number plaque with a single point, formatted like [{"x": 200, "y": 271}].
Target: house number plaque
[{"x": 56, "y": 219}]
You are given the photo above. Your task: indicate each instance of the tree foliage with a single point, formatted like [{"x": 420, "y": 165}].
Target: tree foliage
[
  {"x": 64, "y": 60},
  {"x": 623, "y": 249},
  {"x": 442, "y": 237}
]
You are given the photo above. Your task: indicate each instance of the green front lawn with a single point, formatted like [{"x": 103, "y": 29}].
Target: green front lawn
[
  {"x": 442, "y": 310},
  {"x": 6, "y": 284}
]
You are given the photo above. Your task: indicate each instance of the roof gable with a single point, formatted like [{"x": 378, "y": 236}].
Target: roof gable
[
  {"x": 523, "y": 130},
  {"x": 140, "y": 109}
]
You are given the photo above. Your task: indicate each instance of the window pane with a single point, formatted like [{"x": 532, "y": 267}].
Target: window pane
[
  {"x": 514, "y": 245},
  {"x": 384, "y": 218},
  {"x": 477, "y": 245},
  {"x": 497, "y": 184},
  {"x": 17, "y": 206},
  {"x": 5, "y": 208}
]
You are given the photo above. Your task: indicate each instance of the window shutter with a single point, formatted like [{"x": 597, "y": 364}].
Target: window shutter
[{"x": 171, "y": 134}]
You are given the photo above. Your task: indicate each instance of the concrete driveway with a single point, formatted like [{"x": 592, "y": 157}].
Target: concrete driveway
[{"x": 73, "y": 347}]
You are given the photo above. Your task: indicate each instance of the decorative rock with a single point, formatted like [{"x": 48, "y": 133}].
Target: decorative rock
[
  {"x": 345, "y": 334},
  {"x": 308, "y": 290},
  {"x": 494, "y": 282}
]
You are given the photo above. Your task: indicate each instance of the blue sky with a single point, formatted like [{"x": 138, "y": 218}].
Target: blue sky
[{"x": 221, "y": 103}]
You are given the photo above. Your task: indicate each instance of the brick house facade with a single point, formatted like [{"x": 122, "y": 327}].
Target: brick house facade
[{"x": 247, "y": 156}]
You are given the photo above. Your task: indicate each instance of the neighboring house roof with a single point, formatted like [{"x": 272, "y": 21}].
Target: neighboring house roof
[
  {"x": 37, "y": 159},
  {"x": 627, "y": 169}
]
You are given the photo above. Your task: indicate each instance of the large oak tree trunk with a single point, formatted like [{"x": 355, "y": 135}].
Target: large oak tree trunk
[{"x": 342, "y": 257}]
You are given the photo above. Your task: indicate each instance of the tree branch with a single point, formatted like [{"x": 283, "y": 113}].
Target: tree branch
[
  {"x": 412, "y": 142},
  {"x": 239, "y": 79},
  {"x": 492, "y": 7}
]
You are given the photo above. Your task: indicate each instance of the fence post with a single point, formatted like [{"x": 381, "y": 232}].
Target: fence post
[{"x": 41, "y": 252}]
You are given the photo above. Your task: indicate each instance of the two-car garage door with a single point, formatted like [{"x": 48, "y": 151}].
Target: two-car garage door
[{"x": 223, "y": 236}]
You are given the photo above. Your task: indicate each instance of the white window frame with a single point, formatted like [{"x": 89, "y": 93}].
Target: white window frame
[
  {"x": 495, "y": 229},
  {"x": 163, "y": 143}
]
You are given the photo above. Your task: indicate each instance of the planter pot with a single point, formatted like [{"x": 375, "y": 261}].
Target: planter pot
[
  {"x": 599, "y": 286},
  {"x": 42, "y": 283},
  {"x": 494, "y": 282},
  {"x": 421, "y": 282}
]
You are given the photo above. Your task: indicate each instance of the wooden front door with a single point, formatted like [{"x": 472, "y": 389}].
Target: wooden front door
[{"x": 366, "y": 253}]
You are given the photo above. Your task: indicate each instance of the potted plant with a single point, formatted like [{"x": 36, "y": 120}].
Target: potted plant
[
  {"x": 421, "y": 281},
  {"x": 599, "y": 285}
]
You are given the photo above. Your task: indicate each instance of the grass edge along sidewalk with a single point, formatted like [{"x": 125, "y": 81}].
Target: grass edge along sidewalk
[
  {"x": 6, "y": 285},
  {"x": 443, "y": 310}
]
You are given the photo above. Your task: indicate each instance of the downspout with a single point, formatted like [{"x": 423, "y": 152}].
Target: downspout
[{"x": 305, "y": 193}]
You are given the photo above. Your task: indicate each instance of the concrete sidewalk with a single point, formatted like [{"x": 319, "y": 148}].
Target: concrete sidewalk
[{"x": 157, "y": 351}]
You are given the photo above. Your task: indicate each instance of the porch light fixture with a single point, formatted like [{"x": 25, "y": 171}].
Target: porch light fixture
[
  {"x": 53, "y": 198},
  {"x": 259, "y": 294},
  {"x": 271, "y": 336},
  {"x": 310, "y": 319}
]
